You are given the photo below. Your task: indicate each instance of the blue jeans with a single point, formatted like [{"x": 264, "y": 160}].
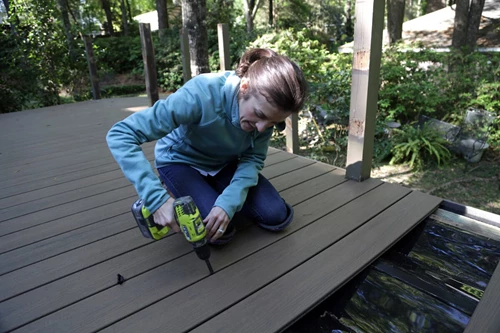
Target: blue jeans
[{"x": 263, "y": 205}]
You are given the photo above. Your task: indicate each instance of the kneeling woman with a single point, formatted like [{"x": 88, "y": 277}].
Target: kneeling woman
[{"x": 213, "y": 135}]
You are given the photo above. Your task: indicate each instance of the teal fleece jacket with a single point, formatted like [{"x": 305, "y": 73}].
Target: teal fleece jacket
[{"x": 198, "y": 125}]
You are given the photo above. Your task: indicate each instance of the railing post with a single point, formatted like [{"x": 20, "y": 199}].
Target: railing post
[
  {"x": 365, "y": 85},
  {"x": 94, "y": 80},
  {"x": 148, "y": 59},
  {"x": 292, "y": 133},
  {"x": 186, "y": 58},
  {"x": 224, "y": 53}
]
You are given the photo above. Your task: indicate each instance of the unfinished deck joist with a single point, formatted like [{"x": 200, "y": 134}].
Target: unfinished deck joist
[{"x": 66, "y": 231}]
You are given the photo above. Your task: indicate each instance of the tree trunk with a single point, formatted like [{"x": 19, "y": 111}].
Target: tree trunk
[
  {"x": 161, "y": 8},
  {"x": 476, "y": 9},
  {"x": 194, "y": 14},
  {"x": 63, "y": 7},
  {"x": 248, "y": 5},
  {"x": 124, "y": 17},
  {"x": 6, "y": 5},
  {"x": 459, "y": 38},
  {"x": 395, "y": 17},
  {"x": 251, "y": 7},
  {"x": 129, "y": 11},
  {"x": 109, "y": 17},
  {"x": 349, "y": 25},
  {"x": 270, "y": 13}
]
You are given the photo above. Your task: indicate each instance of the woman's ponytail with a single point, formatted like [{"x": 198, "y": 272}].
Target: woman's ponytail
[
  {"x": 274, "y": 76},
  {"x": 251, "y": 57}
]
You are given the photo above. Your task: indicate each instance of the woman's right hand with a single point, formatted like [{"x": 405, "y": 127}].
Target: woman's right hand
[{"x": 165, "y": 215}]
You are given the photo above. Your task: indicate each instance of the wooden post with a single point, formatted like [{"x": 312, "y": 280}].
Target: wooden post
[
  {"x": 365, "y": 86},
  {"x": 186, "y": 59},
  {"x": 94, "y": 80},
  {"x": 224, "y": 53},
  {"x": 292, "y": 133},
  {"x": 148, "y": 58}
]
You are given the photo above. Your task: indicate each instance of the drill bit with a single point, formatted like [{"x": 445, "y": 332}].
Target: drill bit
[{"x": 209, "y": 266}]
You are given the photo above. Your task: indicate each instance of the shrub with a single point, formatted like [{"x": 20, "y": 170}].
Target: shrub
[
  {"x": 309, "y": 54},
  {"x": 439, "y": 85},
  {"x": 419, "y": 145},
  {"x": 487, "y": 97},
  {"x": 411, "y": 84},
  {"x": 119, "y": 55}
]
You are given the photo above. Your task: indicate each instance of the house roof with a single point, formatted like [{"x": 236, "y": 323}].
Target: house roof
[{"x": 435, "y": 30}]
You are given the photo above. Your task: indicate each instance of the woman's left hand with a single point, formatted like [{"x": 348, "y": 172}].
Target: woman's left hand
[{"x": 216, "y": 223}]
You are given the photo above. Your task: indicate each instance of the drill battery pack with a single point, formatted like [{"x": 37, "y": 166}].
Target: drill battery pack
[{"x": 145, "y": 221}]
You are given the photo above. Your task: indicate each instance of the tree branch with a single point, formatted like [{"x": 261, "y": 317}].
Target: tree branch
[{"x": 254, "y": 11}]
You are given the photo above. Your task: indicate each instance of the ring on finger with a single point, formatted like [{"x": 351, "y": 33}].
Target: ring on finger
[{"x": 221, "y": 230}]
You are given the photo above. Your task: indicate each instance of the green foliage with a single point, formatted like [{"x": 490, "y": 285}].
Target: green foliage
[
  {"x": 409, "y": 89},
  {"x": 328, "y": 19},
  {"x": 168, "y": 60},
  {"x": 292, "y": 14},
  {"x": 418, "y": 146},
  {"x": 382, "y": 145},
  {"x": 35, "y": 62},
  {"x": 487, "y": 97},
  {"x": 311, "y": 56},
  {"x": 439, "y": 85},
  {"x": 113, "y": 91},
  {"x": 119, "y": 55}
]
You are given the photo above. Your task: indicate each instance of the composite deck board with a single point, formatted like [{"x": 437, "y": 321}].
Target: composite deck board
[
  {"x": 291, "y": 165},
  {"x": 58, "y": 189},
  {"x": 67, "y": 232},
  {"x": 301, "y": 175},
  {"x": 58, "y": 162},
  {"x": 486, "y": 316},
  {"x": 36, "y": 252},
  {"x": 33, "y": 157},
  {"x": 53, "y": 247},
  {"x": 66, "y": 210},
  {"x": 278, "y": 158},
  {"x": 56, "y": 261},
  {"x": 110, "y": 305},
  {"x": 70, "y": 262},
  {"x": 100, "y": 153},
  {"x": 277, "y": 305},
  {"x": 61, "y": 225},
  {"x": 252, "y": 273},
  {"x": 36, "y": 181},
  {"x": 52, "y": 175},
  {"x": 101, "y": 214},
  {"x": 54, "y": 201}
]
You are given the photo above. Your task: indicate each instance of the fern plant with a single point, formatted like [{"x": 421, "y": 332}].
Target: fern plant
[{"x": 419, "y": 145}]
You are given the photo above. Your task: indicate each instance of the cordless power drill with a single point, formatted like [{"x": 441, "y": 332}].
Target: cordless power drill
[{"x": 188, "y": 218}]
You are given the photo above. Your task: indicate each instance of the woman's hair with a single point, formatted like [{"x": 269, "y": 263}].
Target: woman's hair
[{"x": 274, "y": 76}]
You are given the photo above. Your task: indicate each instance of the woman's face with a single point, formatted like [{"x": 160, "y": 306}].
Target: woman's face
[{"x": 256, "y": 113}]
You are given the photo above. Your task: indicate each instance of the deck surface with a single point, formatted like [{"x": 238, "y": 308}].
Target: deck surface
[{"x": 66, "y": 232}]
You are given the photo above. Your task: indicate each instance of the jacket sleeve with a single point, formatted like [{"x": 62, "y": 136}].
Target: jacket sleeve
[
  {"x": 125, "y": 137},
  {"x": 246, "y": 175}
]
